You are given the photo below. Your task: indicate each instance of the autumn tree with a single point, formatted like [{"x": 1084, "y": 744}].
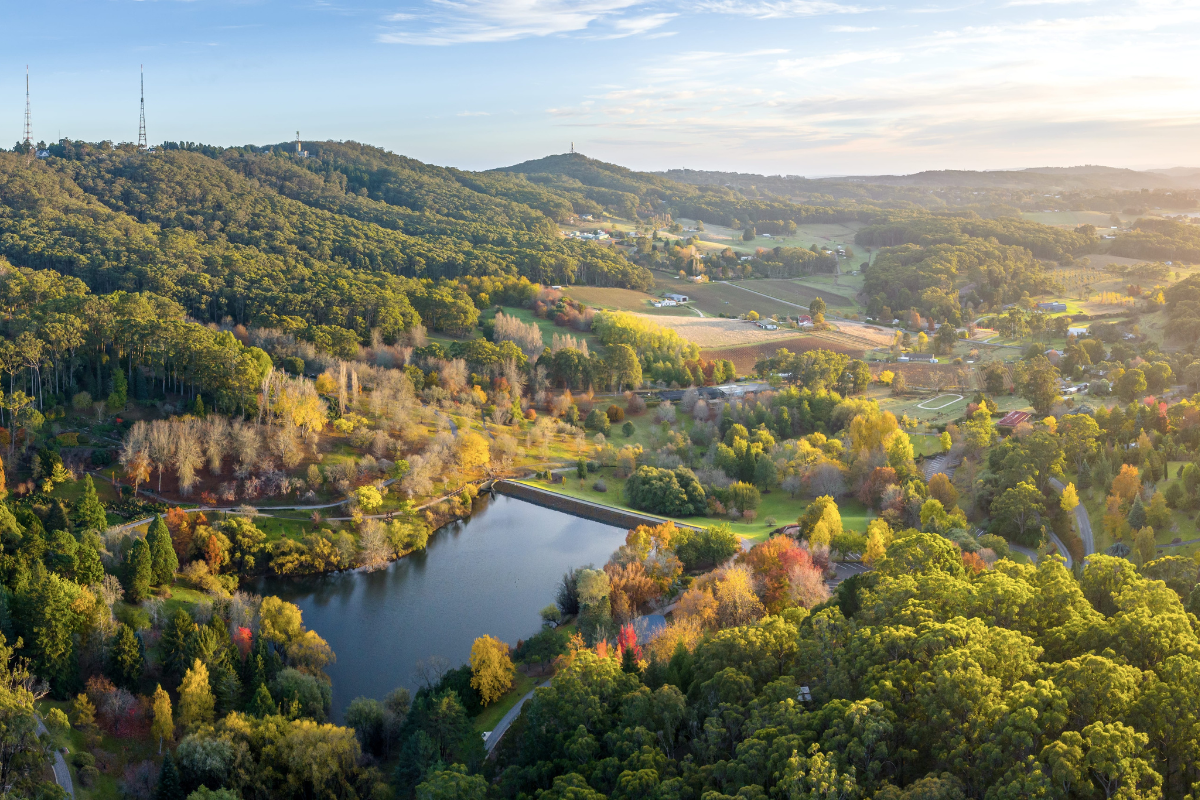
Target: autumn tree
[
  {"x": 196, "y": 702},
  {"x": 491, "y": 668}
]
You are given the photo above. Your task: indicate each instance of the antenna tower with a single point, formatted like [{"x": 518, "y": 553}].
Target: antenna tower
[
  {"x": 572, "y": 147},
  {"x": 298, "y": 150},
  {"x": 28, "y": 119},
  {"x": 142, "y": 116}
]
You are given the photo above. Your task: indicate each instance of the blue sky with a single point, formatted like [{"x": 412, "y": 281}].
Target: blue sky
[{"x": 811, "y": 87}]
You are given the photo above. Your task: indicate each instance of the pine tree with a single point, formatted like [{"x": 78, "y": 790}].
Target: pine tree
[
  {"x": 57, "y": 519},
  {"x": 1137, "y": 514},
  {"x": 126, "y": 667},
  {"x": 195, "y": 697},
  {"x": 139, "y": 572},
  {"x": 164, "y": 563},
  {"x": 89, "y": 570},
  {"x": 262, "y": 704},
  {"x": 1085, "y": 476},
  {"x": 89, "y": 512},
  {"x": 174, "y": 645},
  {"x": 169, "y": 786}
]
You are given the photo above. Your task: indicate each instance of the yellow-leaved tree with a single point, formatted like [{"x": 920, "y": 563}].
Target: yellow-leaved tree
[
  {"x": 163, "y": 727},
  {"x": 491, "y": 668},
  {"x": 195, "y": 697},
  {"x": 473, "y": 450}
]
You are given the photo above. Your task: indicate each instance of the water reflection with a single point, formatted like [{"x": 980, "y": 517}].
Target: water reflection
[{"x": 490, "y": 574}]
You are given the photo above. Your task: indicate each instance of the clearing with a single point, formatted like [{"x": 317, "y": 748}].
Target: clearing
[
  {"x": 948, "y": 400},
  {"x": 713, "y": 332},
  {"x": 746, "y": 356}
]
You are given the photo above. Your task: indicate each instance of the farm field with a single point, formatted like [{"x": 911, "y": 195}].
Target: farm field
[
  {"x": 822, "y": 234},
  {"x": 744, "y": 357},
  {"x": 713, "y": 332},
  {"x": 628, "y": 299},
  {"x": 1072, "y": 219},
  {"x": 722, "y": 298},
  {"x": 790, "y": 291}
]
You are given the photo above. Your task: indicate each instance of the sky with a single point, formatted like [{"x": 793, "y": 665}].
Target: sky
[{"x": 801, "y": 87}]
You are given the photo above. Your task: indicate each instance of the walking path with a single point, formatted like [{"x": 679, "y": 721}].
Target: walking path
[
  {"x": 494, "y": 736},
  {"x": 1082, "y": 522},
  {"x": 62, "y": 775}
]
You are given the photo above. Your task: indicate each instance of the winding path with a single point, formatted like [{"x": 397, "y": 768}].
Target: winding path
[
  {"x": 62, "y": 774},
  {"x": 1082, "y": 521},
  {"x": 494, "y": 736}
]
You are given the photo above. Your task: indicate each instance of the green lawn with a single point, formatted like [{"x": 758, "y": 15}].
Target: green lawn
[
  {"x": 490, "y": 717},
  {"x": 777, "y": 504}
]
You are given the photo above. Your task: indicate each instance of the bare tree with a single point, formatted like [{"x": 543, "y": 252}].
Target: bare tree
[
  {"x": 525, "y": 335},
  {"x": 188, "y": 456},
  {"x": 216, "y": 441},
  {"x": 246, "y": 442},
  {"x": 374, "y": 551}
]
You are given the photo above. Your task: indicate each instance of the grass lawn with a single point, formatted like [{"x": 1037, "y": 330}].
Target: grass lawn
[
  {"x": 490, "y": 717},
  {"x": 547, "y": 327},
  {"x": 777, "y": 505}
]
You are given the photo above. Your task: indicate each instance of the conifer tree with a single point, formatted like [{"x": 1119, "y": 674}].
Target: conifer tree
[
  {"x": 139, "y": 572},
  {"x": 89, "y": 570},
  {"x": 126, "y": 667},
  {"x": 169, "y": 786},
  {"x": 262, "y": 704},
  {"x": 57, "y": 519},
  {"x": 164, "y": 562},
  {"x": 89, "y": 512},
  {"x": 1137, "y": 514}
]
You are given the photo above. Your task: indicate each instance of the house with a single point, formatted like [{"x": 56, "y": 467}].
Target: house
[
  {"x": 1053, "y": 356},
  {"x": 926, "y": 358},
  {"x": 43, "y": 153},
  {"x": 803, "y": 318},
  {"x": 678, "y": 298},
  {"x": 664, "y": 303},
  {"x": 1013, "y": 418},
  {"x": 1077, "y": 331},
  {"x": 1052, "y": 307},
  {"x": 767, "y": 325}
]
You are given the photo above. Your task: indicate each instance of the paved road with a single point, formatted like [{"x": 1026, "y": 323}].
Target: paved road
[
  {"x": 1082, "y": 522},
  {"x": 493, "y": 737},
  {"x": 62, "y": 774}
]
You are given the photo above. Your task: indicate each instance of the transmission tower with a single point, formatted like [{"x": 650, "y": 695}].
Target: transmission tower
[
  {"x": 142, "y": 116},
  {"x": 28, "y": 119}
]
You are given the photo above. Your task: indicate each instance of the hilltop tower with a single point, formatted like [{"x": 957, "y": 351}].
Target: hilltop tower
[
  {"x": 142, "y": 115},
  {"x": 28, "y": 137},
  {"x": 298, "y": 150}
]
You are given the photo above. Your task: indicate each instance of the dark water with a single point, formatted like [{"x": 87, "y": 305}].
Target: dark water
[{"x": 491, "y": 574}]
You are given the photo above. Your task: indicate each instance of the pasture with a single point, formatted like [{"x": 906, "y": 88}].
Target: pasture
[{"x": 745, "y": 356}]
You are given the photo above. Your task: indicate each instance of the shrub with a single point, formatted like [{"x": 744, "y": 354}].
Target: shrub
[
  {"x": 628, "y": 429},
  {"x": 597, "y": 420},
  {"x": 664, "y": 491},
  {"x": 600, "y": 486},
  {"x": 615, "y": 414},
  {"x": 743, "y": 496}
]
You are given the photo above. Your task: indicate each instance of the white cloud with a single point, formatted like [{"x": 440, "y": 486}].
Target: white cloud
[
  {"x": 448, "y": 22},
  {"x": 474, "y": 114},
  {"x": 850, "y": 29},
  {"x": 775, "y": 9}
]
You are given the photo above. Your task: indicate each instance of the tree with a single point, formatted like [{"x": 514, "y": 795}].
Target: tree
[
  {"x": 196, "y": 701},
  {"x": 368, "y": 497},
  {"x": 1144, "y": 544},
  {"x": 1078, "y": 434},
  {"x": 1040, "y": 384},
  {"x": 163, "y": 727},
  {"x": 1137, "y": 514},
  {"x": 138, "y": 571},
  {"x": 473, "y": 451},
  {"x": 874, "y": 550},
  {"x": 817, "y": 309},
  {"x": 88, "y": 513},
  {"x": 1127, "y": 484},
  {"x": 945, "y": 339},
  {"x": 1158, "y": 515},
  {"x": 164, "y": 563},
  {"x": 491, "y": 668},
  {"x": 1131, "y": 385},
  {"x": 452, "y": 783},
  {"x": 126, "y": 658},
  {"x": 1070, "y": 498},
  {"x": 945, "y": 442},
  {"x": 169, "y": 786},
  {"x": 1018, "y": 509},
  {"x": 1115, "y": 764},
  {"x": 625, "y": 365}
]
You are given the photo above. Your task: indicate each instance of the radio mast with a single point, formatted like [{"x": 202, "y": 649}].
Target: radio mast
[
  {"x": 141, "y": 145},
  {"x": 28, "y": 119}
]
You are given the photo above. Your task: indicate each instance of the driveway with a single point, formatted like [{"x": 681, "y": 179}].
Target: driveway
[{"x": 1083, "y": 524}]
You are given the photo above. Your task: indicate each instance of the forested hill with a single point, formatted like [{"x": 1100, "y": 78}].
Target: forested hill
[
  {"x": 252, "y": 233},
  {"x": 602, "y": 187}
]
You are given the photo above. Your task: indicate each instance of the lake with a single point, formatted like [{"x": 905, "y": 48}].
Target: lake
[{"x": 490, "y": 574}]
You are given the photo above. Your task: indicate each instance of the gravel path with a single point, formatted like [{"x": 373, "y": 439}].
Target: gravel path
[
  {"x": 62, "y": 774},
  {"x": 1082, "y": 521}
]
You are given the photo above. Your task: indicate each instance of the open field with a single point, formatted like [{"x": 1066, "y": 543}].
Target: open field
[
  {"x": 619, "y": 299},
  {"x": 721, "y": 298},
  {"x": 796, "y": 293},
  {"x": 1073, "y": 219},
  {"x": 777, "y": 505},
  {"x": 712, "y": 332},
  {"x": 822, "y": 234},
  {"x": 745, "y": 356}
]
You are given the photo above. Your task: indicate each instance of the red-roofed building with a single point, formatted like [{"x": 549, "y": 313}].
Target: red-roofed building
[{"x": 1013, "y": 418}]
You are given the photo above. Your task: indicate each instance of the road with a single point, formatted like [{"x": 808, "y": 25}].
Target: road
[
  {"x": 62, "y": 774},
  {"x": 494, "y": 736},
  {"x": 1082, "y": 522}
]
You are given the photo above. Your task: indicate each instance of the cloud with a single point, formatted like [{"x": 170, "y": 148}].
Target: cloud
[
  {"x": 474, "y": 114},
  {"x": 776, "y": 9},
  {"x": 447, "y": 22},
  {"x": 850, "y": 29}
]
